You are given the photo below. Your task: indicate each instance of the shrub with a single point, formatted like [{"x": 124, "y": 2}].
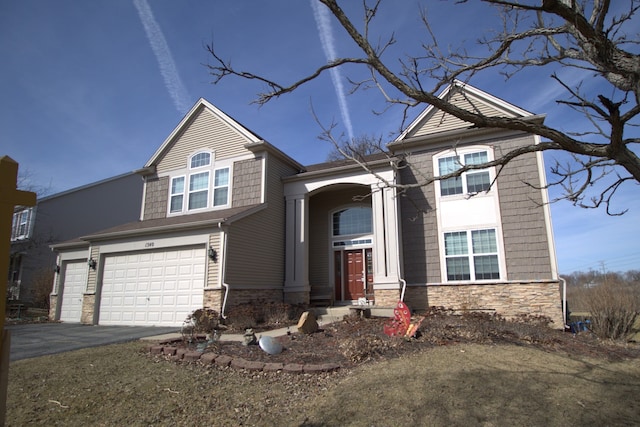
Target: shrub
[
  {"x": 243, "y": 316},
  {"x": 364, "y": 348},
  {"x": 203, "y": 321},
  {"x": 263, "y": 314},
  {"x": 41, "y": 287},
  {"x": 613, "y": 308}
]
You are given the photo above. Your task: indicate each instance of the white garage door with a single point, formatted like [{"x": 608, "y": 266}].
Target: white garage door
[
  {"x": 152, "y": 288},
  {"x": 75, "y": 280}
]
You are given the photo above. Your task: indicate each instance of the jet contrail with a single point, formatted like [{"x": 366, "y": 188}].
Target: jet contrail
[
  {"x": 168, "y": 69},
  {"x": 323, "y": 22}
]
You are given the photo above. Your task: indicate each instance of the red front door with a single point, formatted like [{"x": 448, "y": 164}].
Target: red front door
[{"x": 353, "y": 274}]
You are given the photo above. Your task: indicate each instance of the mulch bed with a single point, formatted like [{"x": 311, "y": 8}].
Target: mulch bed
[{"x": 356, "y": 340}]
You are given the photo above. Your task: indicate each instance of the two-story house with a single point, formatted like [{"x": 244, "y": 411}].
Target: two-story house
[
  {"x": 58, "y": 218},
  {"x": 228, "y": 218}
]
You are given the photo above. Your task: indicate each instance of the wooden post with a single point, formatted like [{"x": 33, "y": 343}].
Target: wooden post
[{"x": 10, "y": 197}]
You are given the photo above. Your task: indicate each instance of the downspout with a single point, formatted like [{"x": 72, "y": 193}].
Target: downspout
[
  {"x": 398, "y": 237},
  {"x": 564, "y": 302},
  {"x": 223, "y": 269}
]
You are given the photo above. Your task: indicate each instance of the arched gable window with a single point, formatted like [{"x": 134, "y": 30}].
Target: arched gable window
[{"x": 200, "y": 160}]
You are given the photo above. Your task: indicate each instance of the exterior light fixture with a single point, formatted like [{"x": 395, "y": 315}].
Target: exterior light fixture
[
  {"x": 56, "y": 269},
  {"x": 213, "y": 255},
  {"x": 92, "y": 264}
]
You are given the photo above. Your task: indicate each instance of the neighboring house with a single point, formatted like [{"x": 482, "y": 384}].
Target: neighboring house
[
  {"x": 227, "y": 218},
  {"x": 60, "y": 217}
]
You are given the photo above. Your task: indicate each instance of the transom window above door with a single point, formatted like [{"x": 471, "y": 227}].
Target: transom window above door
[{"x": 203, "y": 185}]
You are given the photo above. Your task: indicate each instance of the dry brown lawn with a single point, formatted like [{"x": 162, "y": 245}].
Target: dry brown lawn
[{"x": 456, "y": 384}]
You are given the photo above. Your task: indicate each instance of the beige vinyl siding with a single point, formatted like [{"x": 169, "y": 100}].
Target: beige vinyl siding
[
  {"x": 213, "y": 266},
  {"x": 255, "y": 251},
  {"x": 276, "y": 170},
  {"x": 320, "y": 207},
  {"x": 156, "y": 195},
  {"x": 440, "y": 121},
  {"x": 419, "y": 224},
  {"x": 526, "y": 240},
  {"x": 204, "y": 131},
  {"x": 247, "y": 182},
  {"x": 92, "y": 277}
]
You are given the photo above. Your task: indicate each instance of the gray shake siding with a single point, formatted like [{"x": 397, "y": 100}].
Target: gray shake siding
[
  {"x": 157, "y": 193},
  {"x": 419, "y": 224},
  {"x": 247, "y": 182},
  {"x": 523, "y": 225}
]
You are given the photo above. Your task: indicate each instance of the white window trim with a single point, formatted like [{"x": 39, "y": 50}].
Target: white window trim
[
  {"x": 184, "y": 185},
  {"x": 346, "y": 237},
  {"x": 188, "y": 171},
  {"x": 28, "y": 224},
  {"x": 214, "y": 188},
  {"x": 470, "y": 255},
  {"x": 189, "y": 192},
  {"x": 460, "y": 152}
]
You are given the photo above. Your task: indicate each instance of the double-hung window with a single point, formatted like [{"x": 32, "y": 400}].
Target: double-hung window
[
  {"x": 471, "y": 255},
  {"x": 470, "y": 182},
  {"x": 177, "y": 194},
  {"x": 221, "y": 187},
  {"x": 22, "y": 224}
]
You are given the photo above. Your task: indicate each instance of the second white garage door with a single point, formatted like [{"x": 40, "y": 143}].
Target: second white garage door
[
  {"x": 152, "y": 288},
  {"x": 75, "y": 282}
]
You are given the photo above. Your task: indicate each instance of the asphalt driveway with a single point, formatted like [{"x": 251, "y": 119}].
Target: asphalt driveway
[{"x": 40, "y": 339}]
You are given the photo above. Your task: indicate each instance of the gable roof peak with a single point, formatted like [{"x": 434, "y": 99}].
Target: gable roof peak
[
  {"x": 476, "y": 98},
  {"x": 197, "y": 107}
]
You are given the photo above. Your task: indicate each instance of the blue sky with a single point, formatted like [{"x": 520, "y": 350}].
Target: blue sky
[{"x": 90, "y": 89}]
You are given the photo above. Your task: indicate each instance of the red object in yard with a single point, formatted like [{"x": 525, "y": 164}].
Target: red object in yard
[{"x": 400, "y": 324}]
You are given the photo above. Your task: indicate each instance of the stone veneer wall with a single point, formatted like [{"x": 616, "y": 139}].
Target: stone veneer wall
[
  {"x": 297, "y": 297},
  {"x": 386, "y": 297},
  {"x": 507, "y": 299},
  {"x": 213, "y": 298},
  {"x": 243, "y": 296},
  {"x": 53, "y": 306},
  {"x": 88, "y": 307}
]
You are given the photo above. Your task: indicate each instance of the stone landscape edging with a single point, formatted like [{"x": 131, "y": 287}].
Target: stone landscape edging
[{"x": 177, "y": 354}]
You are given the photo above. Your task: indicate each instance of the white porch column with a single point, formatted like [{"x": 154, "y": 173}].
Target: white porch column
[
  {"x": 386, "y": 239},
  {"x": 297, "y": 246}
]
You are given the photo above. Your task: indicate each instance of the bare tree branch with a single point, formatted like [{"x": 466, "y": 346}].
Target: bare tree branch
[{"x": 575, "y": 34}]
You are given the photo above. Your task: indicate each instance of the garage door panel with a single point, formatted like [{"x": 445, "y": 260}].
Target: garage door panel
[
  {"x": 157, "y": 288},
  {"x": 184, "y": 300}
]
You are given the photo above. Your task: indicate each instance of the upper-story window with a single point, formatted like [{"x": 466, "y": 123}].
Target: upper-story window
[
  {"x": 22, "y": 224},
  {"x": 221, "y": 187},
  {"x": 352, "y": 221},
  {"x": 200, "y": 159},
  {"x": 196, "y": 189},
  {"x": 470, "y": 182}
]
